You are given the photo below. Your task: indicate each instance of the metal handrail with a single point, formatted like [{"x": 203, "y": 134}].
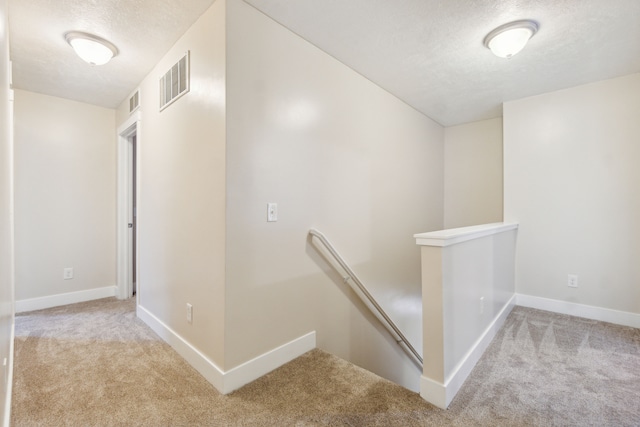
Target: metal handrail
[{"x": 369, "y": 301}]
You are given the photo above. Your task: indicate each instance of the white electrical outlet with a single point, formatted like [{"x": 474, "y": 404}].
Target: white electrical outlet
[
  {"x": 572, "y": 281},
  {"x": 481, "y": 305},
  {"x": 67, "y": 273},
  {"x": 189, "y": 313},
  {"x": 272, "y": 212}
]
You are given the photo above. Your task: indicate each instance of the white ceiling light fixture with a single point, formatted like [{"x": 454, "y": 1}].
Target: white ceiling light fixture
[
  {"x": 92, "y": 49},
  {"x": 509, "y": 39}
]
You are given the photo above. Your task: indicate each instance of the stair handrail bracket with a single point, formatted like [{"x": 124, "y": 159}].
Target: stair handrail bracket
[{"x": 358, "y": 287}]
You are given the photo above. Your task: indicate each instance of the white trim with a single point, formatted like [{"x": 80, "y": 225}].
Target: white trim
[
  {"x": 192, "y": 355},
  {"x": 267, "y": 362},
  {"x": 434, "y": 392},
  {"x": 130, "y": 127},
  {"x": 226, "y": 382},
  {"x": 623, "y": 318},
  {"x": 9, "y": 379},
  {"x": 462, "y": 370},
  {"x": 64, "y": 299},
  {"x": 440, "y": 394},
  {"x": 8, "y": 386},
  {"x": 452, "y": 236},
  {"x": 6, "y": 422},
  {"x": 127, "y": 124}
]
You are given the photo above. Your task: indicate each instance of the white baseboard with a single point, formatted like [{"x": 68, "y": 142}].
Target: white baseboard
[
  {"x": 434, "y": 392},
  {"x": 226, "y": 382},
  {"x": 6, "y": 422},
  {"x": 440, "y": 394},
  {"x": 580, "y": 310},
  {"x": 192, "y": 355},
  {"x": 64, "y": 299},
  {"x": 267, "y": 362}
]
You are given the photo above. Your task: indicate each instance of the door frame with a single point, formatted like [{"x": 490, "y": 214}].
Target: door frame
[{"x": 124, "y": 277}]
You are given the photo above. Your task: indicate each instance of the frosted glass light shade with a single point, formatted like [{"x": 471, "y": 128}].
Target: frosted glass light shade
[
  {"x": 92, "y": 49},
  {"x": 509, "y": 39}
]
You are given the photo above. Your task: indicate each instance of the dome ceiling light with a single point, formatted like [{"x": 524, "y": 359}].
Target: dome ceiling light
[
  {"x": 509, "y": 39},
  {"x": 92, "y": 49}
]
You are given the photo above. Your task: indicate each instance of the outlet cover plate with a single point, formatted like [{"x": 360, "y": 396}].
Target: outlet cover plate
[{"x": 189, "y": 313}]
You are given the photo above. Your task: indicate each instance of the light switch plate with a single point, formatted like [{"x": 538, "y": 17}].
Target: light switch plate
[{"x": 272, "y": 212}]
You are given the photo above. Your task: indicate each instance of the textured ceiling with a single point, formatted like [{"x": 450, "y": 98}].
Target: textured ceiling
[
  {"x": 430, "y": 53},
  {"x": 427, "y": 52},
  {"x": 143, "y": 31}
]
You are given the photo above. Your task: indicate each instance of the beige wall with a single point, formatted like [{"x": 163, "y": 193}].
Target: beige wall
[
  {"x": 473, "y": 173},
  {"x": 572, "y": 181},
  {"x": 64, "y": 195},
  {"x": 6, "y": 249},
  {"x": 182, "y": 191},
  {"x": 337, "y": 153}
]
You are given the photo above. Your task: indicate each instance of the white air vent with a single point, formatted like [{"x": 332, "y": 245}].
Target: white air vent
[
  {"x": 175, "y": 82},
  {"x": 134, "y": 102}
]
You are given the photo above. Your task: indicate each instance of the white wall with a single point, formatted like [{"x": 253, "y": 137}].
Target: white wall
[
  {"x": 473, "y": 173},
  {"x": 6, "y": 240},
  {"x": 468, "y": 291},
  {"x": 572, "y": 181},
  {"x": 181, "y": 212},
  {"x": 64, "y": 195},
  {"x": 337, "y": 153}
]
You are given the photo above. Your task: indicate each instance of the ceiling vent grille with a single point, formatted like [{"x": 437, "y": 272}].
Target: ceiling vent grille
[
  {"x": 134, "y": 102},
  {"x": 175, "y": 82}
]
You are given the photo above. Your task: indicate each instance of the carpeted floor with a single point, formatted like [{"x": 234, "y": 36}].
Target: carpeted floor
[{"x": 96, "y": 364}]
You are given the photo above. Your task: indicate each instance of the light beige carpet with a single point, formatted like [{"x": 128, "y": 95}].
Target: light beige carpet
[{"x": 96, "y": 364}]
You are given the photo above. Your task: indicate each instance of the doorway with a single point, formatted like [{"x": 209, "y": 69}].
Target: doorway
[
  {"x": 133, "y": 211},
  {"x": 128, "y": 280}
]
